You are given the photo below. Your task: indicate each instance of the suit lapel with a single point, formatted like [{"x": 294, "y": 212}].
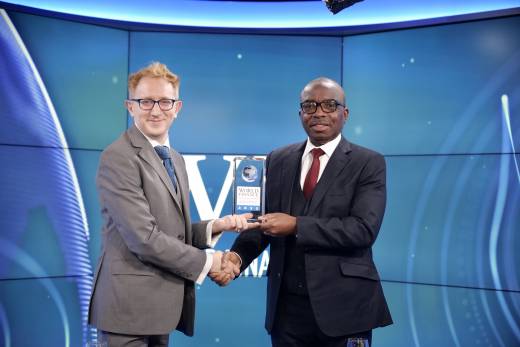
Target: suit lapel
[
  {"x": 184, "y": 191},
  {"x": 289, "y": 174},
  {"x": 337, "y": 162},
  {"x": 289, "y": 167},
  {"x": 147, "y": 153}
]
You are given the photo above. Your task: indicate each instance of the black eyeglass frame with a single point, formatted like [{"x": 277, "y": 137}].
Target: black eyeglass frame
[
  {"x": 158, "y": 102},
  {"x": 336, "y": 103}
]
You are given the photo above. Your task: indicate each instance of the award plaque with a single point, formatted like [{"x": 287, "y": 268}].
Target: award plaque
[{"x": 249, "y": 186}]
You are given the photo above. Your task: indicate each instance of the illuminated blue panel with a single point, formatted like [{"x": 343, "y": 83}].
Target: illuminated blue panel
[
  {"x": 84, "y": 67},
  {"x": 446, "y": 316},
  {"x": 41, "y": 200},
  {"x": 86, "y": 164},
  {"x": 434, "y": 90},
  {"x": 240, "y": 92},
  {"x": 48, "y": 315},
  {"x": 34, "y": 225},
  {"x": 40, "y": 238},
  {"x": 452, "y": 220},
  {"x": 291, "y": 14}
]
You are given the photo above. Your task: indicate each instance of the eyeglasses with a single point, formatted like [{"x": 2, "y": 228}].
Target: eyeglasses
[
  {"x": 327, "y": 106},
  {"x": 148, "y": 104}
]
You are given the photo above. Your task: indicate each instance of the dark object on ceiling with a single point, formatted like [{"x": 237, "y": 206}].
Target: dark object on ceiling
[{"x": 336, "y": 6}]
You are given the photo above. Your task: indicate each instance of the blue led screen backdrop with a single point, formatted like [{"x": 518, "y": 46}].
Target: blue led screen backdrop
[{"x": 441, "y": 103}]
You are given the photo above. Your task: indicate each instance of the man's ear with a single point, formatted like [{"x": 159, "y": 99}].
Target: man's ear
[
  {"x": 178, "y": 106},
  {"x": 129, "y": 105},
  {"x": 345, "y": 114}
]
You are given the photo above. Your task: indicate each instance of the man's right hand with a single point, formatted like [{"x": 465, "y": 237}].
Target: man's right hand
[
  {"x": 230, "y": 268},
  {"x": 217, "y": 263}
]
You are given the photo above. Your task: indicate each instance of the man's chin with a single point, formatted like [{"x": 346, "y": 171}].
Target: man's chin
[
  {"x": 155, "y": 133},
  {"x": 318, "y": 135},
  {"x": 318, "y": 140}
]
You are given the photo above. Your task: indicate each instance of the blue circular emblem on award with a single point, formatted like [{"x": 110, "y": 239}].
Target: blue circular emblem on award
[
  {"x": 249, "y": 173},
  {"x": 249, "y": 186}
]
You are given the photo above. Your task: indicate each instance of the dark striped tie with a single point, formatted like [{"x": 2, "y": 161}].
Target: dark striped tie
[{"x": 164, "y": 154}]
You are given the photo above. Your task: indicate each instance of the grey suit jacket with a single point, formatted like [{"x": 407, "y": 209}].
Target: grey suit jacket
[{"x": 150, "y": 257}]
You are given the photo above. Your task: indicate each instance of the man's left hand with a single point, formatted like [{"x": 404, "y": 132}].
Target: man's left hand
[
  {"x": 234, "y": 222},
  {"x": 278, "y": 224}
]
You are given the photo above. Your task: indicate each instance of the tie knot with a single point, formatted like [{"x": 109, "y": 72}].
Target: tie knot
[
  {"x": 317, "y": 152},
  {"x": 163, "y": 152}
]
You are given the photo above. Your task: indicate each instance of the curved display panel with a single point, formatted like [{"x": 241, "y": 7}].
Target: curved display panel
[{"x": 447, "y": 248}]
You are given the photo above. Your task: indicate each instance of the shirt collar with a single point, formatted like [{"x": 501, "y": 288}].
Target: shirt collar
[
  {"x": 154, "y": 142},
  {"x": 328, "y": 148}
]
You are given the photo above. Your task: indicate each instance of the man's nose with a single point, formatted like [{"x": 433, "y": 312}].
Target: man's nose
[
  {"x": 156, "y": 110},
  {"x": 319, "y": 112}
]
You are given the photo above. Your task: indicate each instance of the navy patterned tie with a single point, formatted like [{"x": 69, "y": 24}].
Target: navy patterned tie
[{"x": 164, "y": 154}]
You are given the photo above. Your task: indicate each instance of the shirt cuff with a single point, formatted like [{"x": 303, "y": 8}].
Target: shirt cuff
[
  {"x": 212, "y": 239},
  {"x": 239, "y": 258},
  {"x": 207, "y": 266}
]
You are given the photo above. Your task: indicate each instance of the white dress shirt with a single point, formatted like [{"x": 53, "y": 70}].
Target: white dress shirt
[{"x": 328, "y": 148}]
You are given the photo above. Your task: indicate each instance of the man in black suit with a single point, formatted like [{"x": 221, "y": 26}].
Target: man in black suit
[{"x": 325, "y": 201}]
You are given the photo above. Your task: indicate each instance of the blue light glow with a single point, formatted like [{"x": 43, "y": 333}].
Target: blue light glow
[{"x": 229, "y": 14}]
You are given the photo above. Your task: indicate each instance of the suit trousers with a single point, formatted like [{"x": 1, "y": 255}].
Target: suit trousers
[
  {"x": 122, "y": 340},
  {"x": 295, "y": 326}
]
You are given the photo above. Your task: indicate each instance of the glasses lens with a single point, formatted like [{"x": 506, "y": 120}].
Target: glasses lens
[
  {"x": 309, "y": 107},
  {"x": 146, "y": 104},
  {"x": 329, "y": 105},
  {"x": 166, "y": 104}
]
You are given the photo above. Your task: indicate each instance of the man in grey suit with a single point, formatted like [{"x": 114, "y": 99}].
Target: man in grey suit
[
  {"x": 152, "y": 255},
  {"x": 325, "y": 201}
]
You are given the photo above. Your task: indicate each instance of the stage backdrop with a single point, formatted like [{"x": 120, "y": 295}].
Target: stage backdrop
[{"x": 441, "y": 103}]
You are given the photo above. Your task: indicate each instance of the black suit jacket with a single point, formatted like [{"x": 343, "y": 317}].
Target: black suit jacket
[{"x": 336, "y": 234}]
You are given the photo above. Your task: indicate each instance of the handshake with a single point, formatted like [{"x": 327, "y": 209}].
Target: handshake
[{"x": 225, "y": 267}]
